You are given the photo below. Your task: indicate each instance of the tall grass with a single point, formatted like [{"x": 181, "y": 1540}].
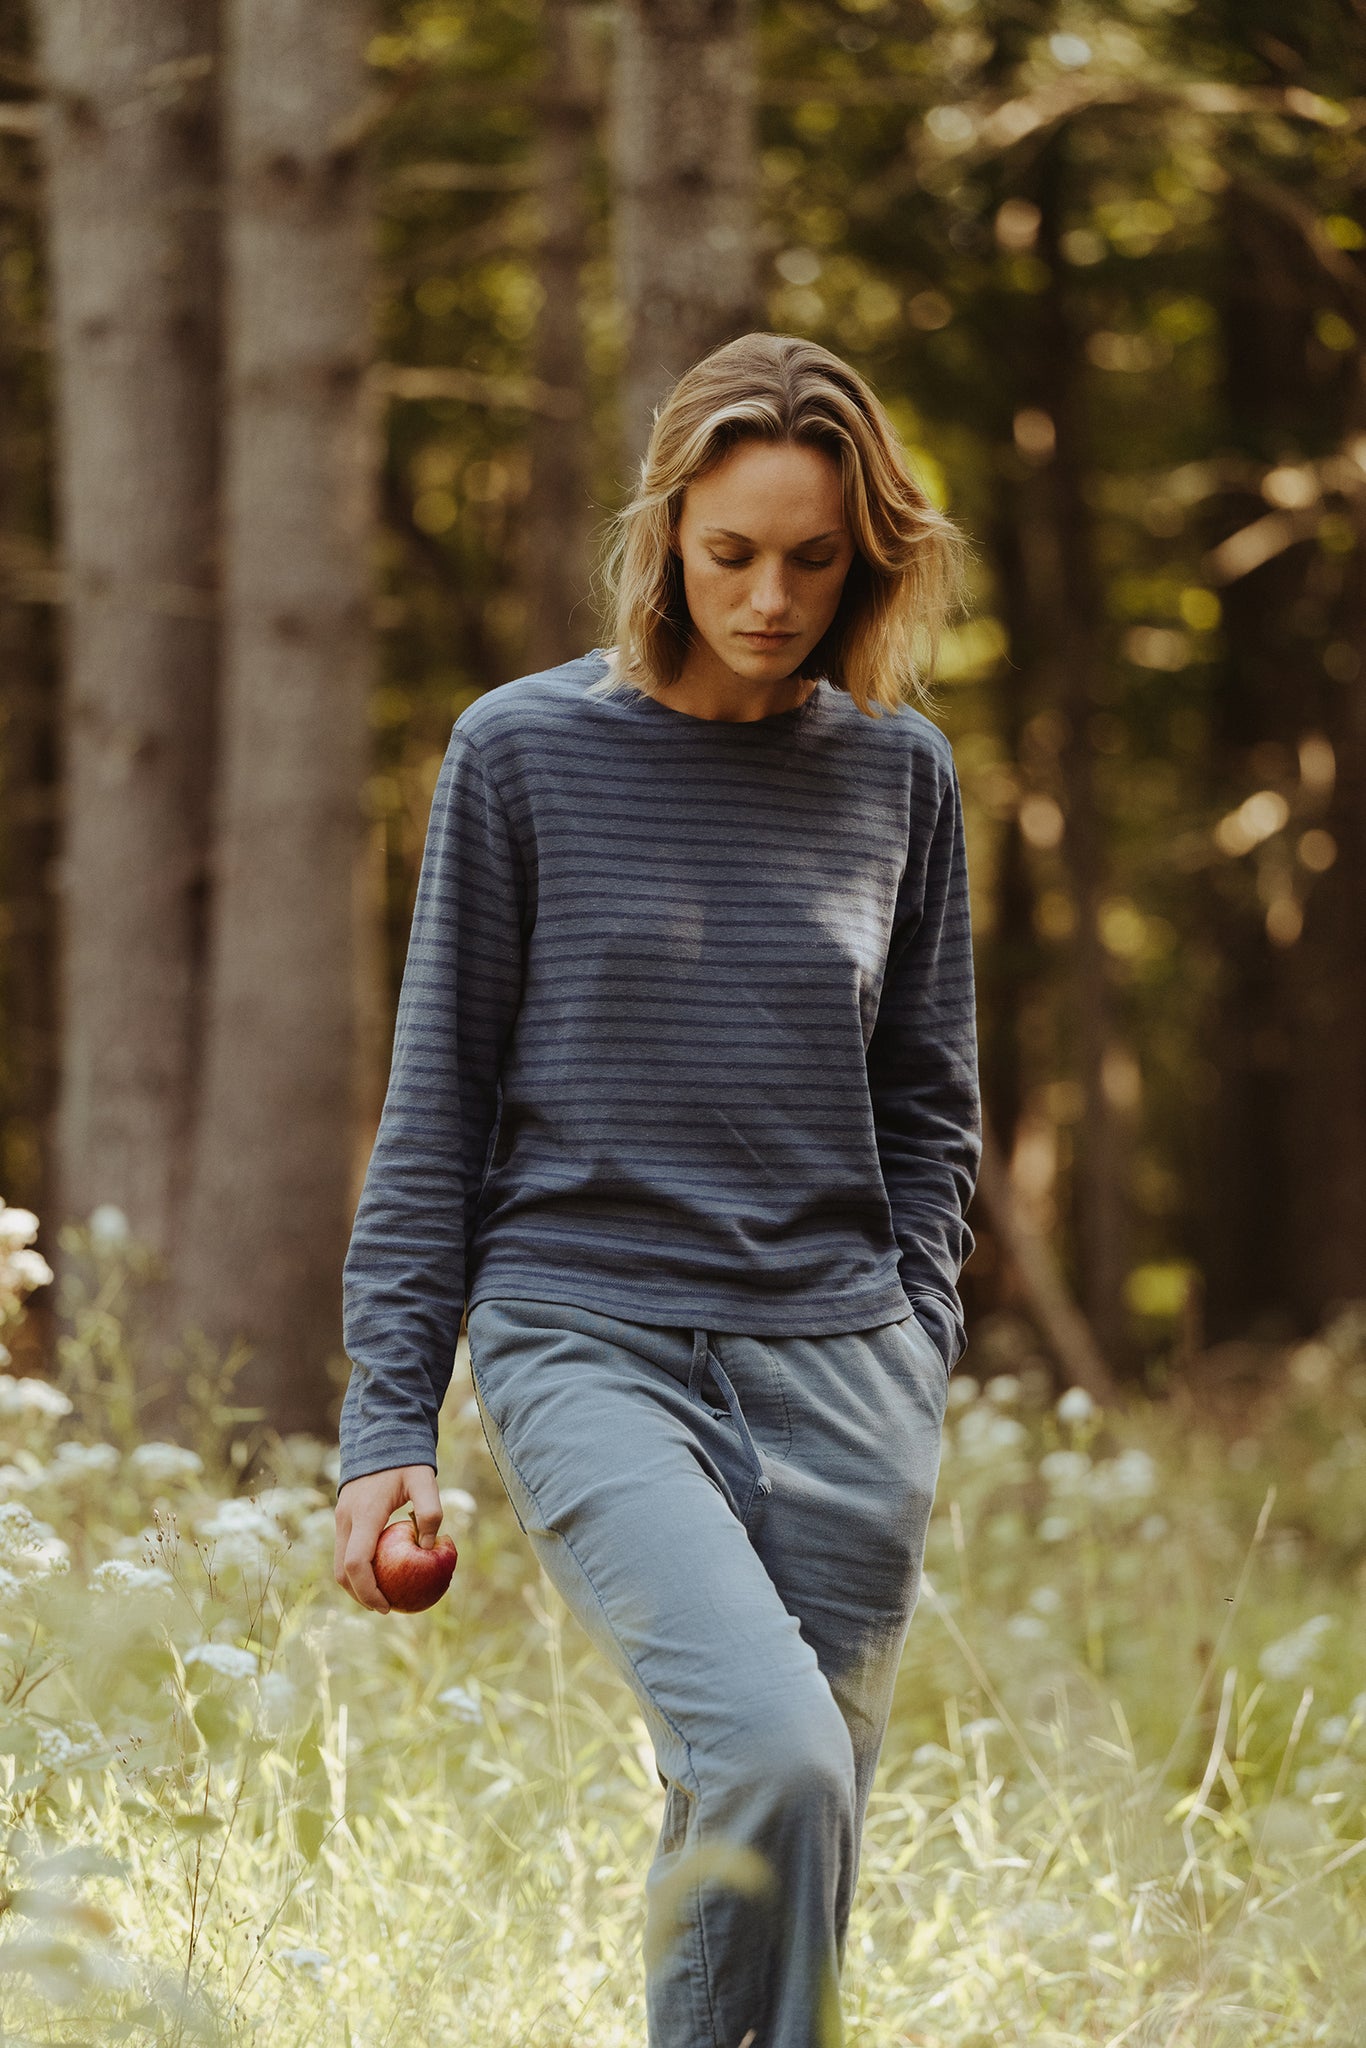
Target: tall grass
[{"x": 1121, "y": 1799}]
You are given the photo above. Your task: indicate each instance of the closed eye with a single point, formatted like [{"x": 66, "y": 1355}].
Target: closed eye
[{"x": 739, "y": 561}]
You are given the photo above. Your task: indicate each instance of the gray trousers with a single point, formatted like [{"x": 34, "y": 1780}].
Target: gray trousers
[{"x": 739, "y": 1524}]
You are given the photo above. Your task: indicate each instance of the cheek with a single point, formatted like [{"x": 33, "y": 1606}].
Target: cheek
[
  {"x": 827, "y": 602},
  {"x": 707, "y": 589}
]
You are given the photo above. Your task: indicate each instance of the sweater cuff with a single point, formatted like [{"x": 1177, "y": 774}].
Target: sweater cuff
[
  {"x": 941, "y": 1325},
  {"x": 388, "y": 1456}
]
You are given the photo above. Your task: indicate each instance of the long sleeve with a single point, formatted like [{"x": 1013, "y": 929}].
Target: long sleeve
[
  {"x": 922, "y": 1067},
  {"x": 404, "y": 1278}
]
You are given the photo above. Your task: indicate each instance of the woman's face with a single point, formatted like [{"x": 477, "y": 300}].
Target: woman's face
[{"x": 765, "y": 552}]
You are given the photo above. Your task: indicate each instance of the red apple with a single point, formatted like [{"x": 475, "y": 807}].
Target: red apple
[{"x": 410, "y": 1577}]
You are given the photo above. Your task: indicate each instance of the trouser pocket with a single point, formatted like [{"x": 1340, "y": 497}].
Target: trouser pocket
[{"x": 512, "y": 1486}]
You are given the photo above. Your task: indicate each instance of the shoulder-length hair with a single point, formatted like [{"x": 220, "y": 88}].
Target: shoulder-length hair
[{"x": 905, "y": 578}]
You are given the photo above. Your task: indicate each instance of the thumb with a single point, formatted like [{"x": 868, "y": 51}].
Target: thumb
[{"x": 425, "y": 1496}]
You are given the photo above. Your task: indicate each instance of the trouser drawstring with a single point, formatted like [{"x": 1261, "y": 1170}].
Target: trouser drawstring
[{"x": 701, "y": 1353}]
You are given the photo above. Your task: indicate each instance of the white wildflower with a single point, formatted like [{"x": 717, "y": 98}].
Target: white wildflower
[
  {"x": 21, "y": 1478},
  {"x": 287, "y": 1501},
  {"x": 1130, "y": 1476},
  {"x": 331, "y": 1464},
  {"x": 1065, "y": 1471},
  {"x": 157, "y": 1462},
  {"x": 10, "y": 1582},
  {"x": 17, "y": 1227},
  {"x": 1046, "y": 1600},
  {"x": 31, "y": 1397},
  {"x": 57, "y": 1748},
  {"x": 1290, "y": 1655},
  {"x": 455, "y": 1501},
  {"x": 279, "y": 1696},
  {"x": 1333, "y": 1730},
  {"x": 237, "y": 1518},
  {"x": 50, "y": 1553},
  {"x": 17, "y": 1528},
  {"x": 37, "y": 1544},
  {"x": 109, "y": 1229},
  {"x": 1002, "y": 1389},
  {"x": 984, "y": 1434},
  {"x": 1055, "y": 1529},
  {"x": 312, "y": 1961},
  {"x": 243, "y": 1550},
  {"x": 121, "y": 1575},
  {"x": 986, "y": 1724},
  {"x": 1153, "y": 1528},
  {"x": 74, "y": 1461},
  {"x": 225, "y": 1658},
  {"x": 320, "y": 1526},
  {"x": 26, "y": 1269},
  {"x": 1027, "y": 1628},
  {"x": 963, "y": 1389},
  {"x": 463, "y": 1702},
  {"x": 1075, "y": 1405}
]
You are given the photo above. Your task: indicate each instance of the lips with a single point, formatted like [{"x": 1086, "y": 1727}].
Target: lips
[{"x": 768, "y": 639}]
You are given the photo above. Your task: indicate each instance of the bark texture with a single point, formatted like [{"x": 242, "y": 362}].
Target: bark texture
[
  {"x": 685, "y": 175},
  {"x": 1059, "y": 547},
  {"x": 271, "y": 1201},
  {"x": 553, "y": 536},
  {"x": 130, "y": 156},
  {"x": 1283, "y": 1193},
  {"x": 29, "y": 708}
]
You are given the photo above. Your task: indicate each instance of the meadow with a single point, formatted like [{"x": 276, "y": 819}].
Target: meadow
[{"x": 1122, "y": 1799}]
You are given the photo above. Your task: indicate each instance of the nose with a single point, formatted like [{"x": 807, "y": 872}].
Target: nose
[{"x": 769, "y": 597}]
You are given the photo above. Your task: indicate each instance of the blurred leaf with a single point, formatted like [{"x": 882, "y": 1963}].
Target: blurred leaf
[
  {"x": 217, "y": 1722},
  {"x": 149, "y": 1661},
  {"x": 196, "y": 1824},
  {"x": 310, "y": 1826}
]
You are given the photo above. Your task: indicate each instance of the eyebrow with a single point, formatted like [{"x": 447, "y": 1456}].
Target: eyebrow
[{"x": 729, "y": 533}]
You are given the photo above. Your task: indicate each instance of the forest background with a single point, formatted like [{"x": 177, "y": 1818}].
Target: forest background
[
  {"x": 329, "y": 338},
  {"x": 330, "y": 332}
]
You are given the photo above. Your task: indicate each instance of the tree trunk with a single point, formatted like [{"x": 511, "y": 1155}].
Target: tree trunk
[
  {"x": 271, "y": 1204},
  {"x": 1069, "y": 609},
  {"x": 1060, "y": 1322},
  {"x": 28, "y": 726},
  {"x": 131, "y": 167},
  {"x": 554, "y": 529},
  {"x": 1283, "y": 1208},
  {"x": 685, "y": 173}
]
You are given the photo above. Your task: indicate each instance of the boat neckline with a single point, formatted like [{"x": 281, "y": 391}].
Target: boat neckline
[{"x": 632, "y": 697}]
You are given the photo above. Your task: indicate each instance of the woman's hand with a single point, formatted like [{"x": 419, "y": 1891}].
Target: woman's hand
[{"x": 364, "y": 1505}]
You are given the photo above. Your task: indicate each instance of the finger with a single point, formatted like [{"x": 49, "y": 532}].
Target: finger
[
  {"x": 339, "y": 1546},
  {"x": 361, "y": 1583},
  {"x": 425, "y": 1496},
  {"x": 367, "y": 1519}
]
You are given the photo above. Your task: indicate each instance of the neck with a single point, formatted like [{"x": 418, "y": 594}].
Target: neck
[{"x": 706, "y": 688}]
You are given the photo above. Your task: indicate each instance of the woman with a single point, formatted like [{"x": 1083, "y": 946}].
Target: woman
[{"x": 684, "y": 1111}]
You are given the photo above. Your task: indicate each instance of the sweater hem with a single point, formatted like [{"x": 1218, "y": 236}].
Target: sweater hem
[{"x": 726, "y": 1316}]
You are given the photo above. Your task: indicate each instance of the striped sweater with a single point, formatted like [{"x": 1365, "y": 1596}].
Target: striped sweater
[{"x": 686, "y": 1035}]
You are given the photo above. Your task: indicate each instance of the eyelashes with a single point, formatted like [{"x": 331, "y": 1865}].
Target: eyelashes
[{"x": 738, "y": 562}]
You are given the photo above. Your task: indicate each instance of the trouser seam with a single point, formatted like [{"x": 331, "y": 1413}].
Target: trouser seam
[{"x": 665, "y": 1717}]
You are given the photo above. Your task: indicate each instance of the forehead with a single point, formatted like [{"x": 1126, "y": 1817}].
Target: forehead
[{"x": 768, "y": 490}]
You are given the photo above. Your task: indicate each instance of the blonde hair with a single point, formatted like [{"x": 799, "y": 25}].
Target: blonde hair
[{"x": 904, "y": 581}]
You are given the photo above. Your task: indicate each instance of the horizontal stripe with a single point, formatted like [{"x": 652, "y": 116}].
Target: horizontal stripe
[{"x": 686, "y": 1035}]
